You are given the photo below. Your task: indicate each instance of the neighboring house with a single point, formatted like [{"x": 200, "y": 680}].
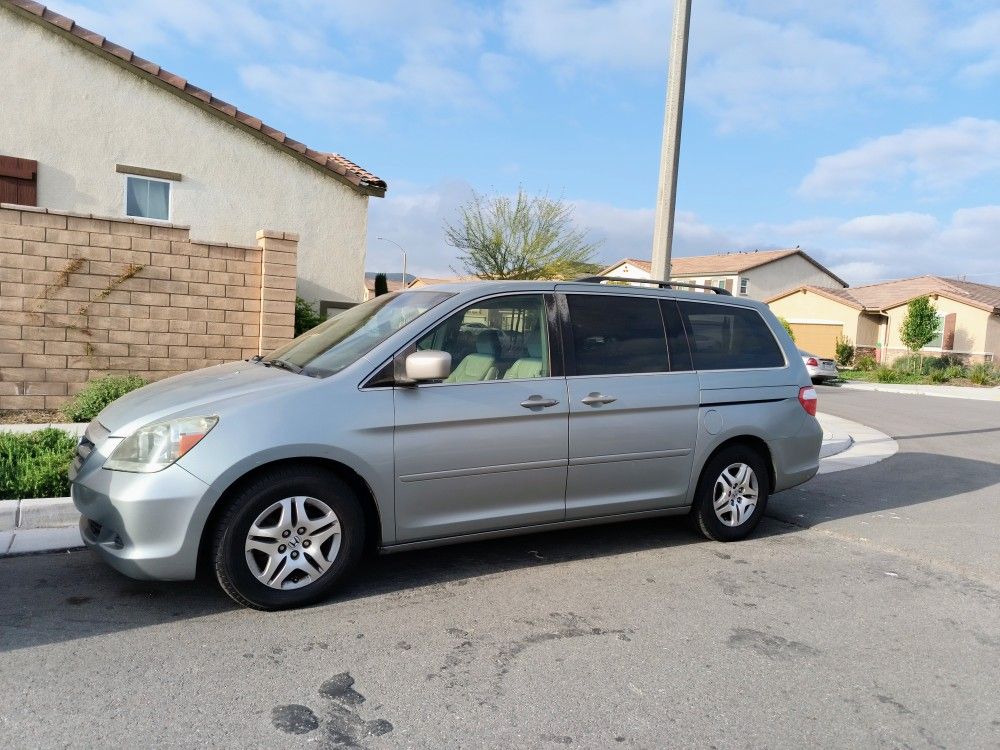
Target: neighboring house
[
  {"x": 870, "y": 317},
  {"x": 431, "y": 281},
  {"x": 394, "y": 285},
  {"x": 758, "y": 274},
  {"x": 89, "y": 127}
]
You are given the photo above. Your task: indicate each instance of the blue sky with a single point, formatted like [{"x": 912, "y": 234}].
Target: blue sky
[{"x": 866, "y": 132}]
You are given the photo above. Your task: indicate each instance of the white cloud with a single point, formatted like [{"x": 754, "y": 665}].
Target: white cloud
[
  {"x": 932, "y": 158},
  {"x": 891, "y": 228},
  {"x": 323, "y": 94},
  {"x": 621, "y": 34},
  {"x": 978, "y": 39}
]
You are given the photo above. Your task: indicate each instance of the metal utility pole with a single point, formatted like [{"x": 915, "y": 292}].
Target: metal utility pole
[{"x": 666, "y": 196}]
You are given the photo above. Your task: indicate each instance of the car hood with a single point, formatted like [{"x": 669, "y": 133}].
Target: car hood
[{"x": 187, "y": 392}]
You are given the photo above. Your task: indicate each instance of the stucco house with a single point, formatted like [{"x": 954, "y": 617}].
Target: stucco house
[
  {"x": 870, "y": 316},
  {"x": 87, "y": 126},
  {"x": 757, "y": 274}
]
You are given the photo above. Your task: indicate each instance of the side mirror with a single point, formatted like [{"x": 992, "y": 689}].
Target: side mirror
[{"x": 428, "y": 365}]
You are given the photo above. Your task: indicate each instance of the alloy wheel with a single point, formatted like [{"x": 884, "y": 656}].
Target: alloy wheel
[
  {"x": 293, "y": 542},
  {"x": 735, "y": 495}
]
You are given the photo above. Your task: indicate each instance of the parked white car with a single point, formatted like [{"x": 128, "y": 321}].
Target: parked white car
[{"x": 819, "y": 369}]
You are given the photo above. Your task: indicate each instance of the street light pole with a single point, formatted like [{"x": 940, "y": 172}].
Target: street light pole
[
  {"x": 386, "y": 239},
  {"x": 666, "y": 197}
]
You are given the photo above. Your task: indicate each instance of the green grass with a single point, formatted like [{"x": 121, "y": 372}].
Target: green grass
[{"x": 35, "y": 464}]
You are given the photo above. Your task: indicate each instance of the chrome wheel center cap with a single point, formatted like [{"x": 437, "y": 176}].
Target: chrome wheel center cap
[{"x": 294, "y": 541}]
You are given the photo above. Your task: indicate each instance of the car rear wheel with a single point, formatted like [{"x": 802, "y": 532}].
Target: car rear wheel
[
  {"x": 732, "y": 494},
  {"x": 288, "y": 538}
]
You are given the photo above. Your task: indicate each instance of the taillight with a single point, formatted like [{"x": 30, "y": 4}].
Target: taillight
[
  {"x": 812, "y": 362},
  {"x": 808, "y": 399}
]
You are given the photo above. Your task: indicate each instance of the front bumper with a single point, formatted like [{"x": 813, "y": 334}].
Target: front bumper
[{"x": 144, "y": 525}]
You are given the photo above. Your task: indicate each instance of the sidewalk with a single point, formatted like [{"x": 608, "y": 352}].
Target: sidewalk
[
  {"x": 942, "y": 391},
  {"x": 50, "y": 524}
]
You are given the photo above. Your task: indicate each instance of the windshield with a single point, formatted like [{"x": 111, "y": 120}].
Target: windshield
[{"x": 333, "y": 345}]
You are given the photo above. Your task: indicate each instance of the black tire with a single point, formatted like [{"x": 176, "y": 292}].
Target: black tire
[
  {"x": 703, "y": 510},
  {"x": 229, "y": 559}
]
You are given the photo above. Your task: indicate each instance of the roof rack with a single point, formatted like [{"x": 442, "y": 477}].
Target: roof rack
[{"x": 654, "y": 282}]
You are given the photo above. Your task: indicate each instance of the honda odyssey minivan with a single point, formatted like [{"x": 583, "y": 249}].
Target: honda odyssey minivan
[{"x": 447, "y": 414}]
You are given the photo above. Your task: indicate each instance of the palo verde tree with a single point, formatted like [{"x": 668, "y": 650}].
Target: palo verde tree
[
  {"x": 920, "y": 325},
  {"x": 381, "y": 285},
  {"x": 524, "y": 237}
]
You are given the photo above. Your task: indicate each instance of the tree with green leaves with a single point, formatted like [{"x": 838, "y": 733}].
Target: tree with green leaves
[
  {"x": 920, "y": 325},
  {"x": 524, "y": 237},
  {"x": 788, "y": 328},
  {"x": 381, "y": 285}
]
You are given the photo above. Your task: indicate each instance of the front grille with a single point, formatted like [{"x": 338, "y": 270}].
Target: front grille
[{"x": 94, "y": 434}]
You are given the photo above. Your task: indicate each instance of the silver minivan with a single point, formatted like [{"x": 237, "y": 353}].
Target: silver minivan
[{"x": 446, "y": 414}]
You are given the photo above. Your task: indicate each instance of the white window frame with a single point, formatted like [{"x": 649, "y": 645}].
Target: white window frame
[
  {"x": 170, "y": 197},
  {"x": 744, "y": 286}
]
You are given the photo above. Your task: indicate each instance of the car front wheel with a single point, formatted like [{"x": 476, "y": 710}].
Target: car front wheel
[{"x": 287, "y": 538}]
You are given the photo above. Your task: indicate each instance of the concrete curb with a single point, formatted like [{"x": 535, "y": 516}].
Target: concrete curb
[
  {"x": 868, "y": 445},
  {"x": 37, "y": 513},
  {"x": 940, "y": 391}
]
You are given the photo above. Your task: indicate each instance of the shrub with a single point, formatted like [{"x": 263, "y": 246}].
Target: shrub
[
  {"x": 886, "y": 375},
  {"x": 35, "y": 464},
  {"x": 911, "y": 363},
  {"x": 788, "y": 327},
  {"x": 306, "y": 316},
  {"x": 955, "y": 371},
  {"x": 845, "y": 352},
  {"x": 940, "y": 376},
  {"x": 99, "y": 393},
  {"x": 982, "y": 374},
  {"x": 866, "y": 363}
]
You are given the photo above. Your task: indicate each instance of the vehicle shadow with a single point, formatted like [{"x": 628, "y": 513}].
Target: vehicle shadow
[
  {"x": 64, "y": 597},
  {"x": 902, "y": 480}
]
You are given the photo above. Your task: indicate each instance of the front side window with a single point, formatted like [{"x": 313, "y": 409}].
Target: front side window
[
  {"x": 726, "y": 337},
  {"x": 615, "y": 335},
  {"x": 744, "y": 286},
  {"x": 503, "y": 338},
  {"x": 146, "y": 198},
  {"x": 342, "y": 340}
]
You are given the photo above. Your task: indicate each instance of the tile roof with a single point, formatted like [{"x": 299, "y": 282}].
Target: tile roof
[
  {"x": 735, "y": 262},
  {"x": 335, "y": 165},
  {"x": 889, "y": 294}
]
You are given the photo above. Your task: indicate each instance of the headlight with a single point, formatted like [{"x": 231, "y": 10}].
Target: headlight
[{"x": 157, "y": 445}]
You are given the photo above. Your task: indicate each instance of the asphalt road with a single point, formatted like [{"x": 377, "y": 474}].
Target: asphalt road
[{"x": 864, "y": 613}]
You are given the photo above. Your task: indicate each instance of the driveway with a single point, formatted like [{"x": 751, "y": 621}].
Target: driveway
[{"x": 865, "y": 612}]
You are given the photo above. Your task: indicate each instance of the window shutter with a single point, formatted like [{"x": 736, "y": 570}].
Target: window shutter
[
  {"x": 18, "y": 181},
  {"x": 948, "y": 337},
  {"x": 728, "y": 285}
]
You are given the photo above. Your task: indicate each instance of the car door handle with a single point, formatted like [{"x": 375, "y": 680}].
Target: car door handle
[
  {"x": 537, "y": 402},
  {"x": 597, "y": 399}
]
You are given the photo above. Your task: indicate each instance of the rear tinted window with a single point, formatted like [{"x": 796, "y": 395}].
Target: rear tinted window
[
  {"x": 726, "y": 337},
  {"x": 615, "y": 335}
]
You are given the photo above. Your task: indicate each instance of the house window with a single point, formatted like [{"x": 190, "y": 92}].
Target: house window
[
  {"x": 935, "y": 343},
  {"x": 744, "y": 286},
  {"x": 147, "y": 198}
]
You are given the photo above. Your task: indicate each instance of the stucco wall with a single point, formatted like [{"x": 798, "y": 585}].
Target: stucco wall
[
  {"x": 809, "y": 307},
  {"x": 79, "y": 115},
  {"x": 783, "y": 274},
  {"x": 970, "y": 326},
  {"x": 993, "y": 337}
]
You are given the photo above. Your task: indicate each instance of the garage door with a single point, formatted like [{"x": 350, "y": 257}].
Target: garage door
[{"x": 817, "y": 338}]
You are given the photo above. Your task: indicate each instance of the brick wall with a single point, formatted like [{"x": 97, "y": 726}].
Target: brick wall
[{"x": 84, "y": 296}]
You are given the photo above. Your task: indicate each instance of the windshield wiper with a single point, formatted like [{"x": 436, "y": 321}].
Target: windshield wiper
[{"x": 282, "y": 365}]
